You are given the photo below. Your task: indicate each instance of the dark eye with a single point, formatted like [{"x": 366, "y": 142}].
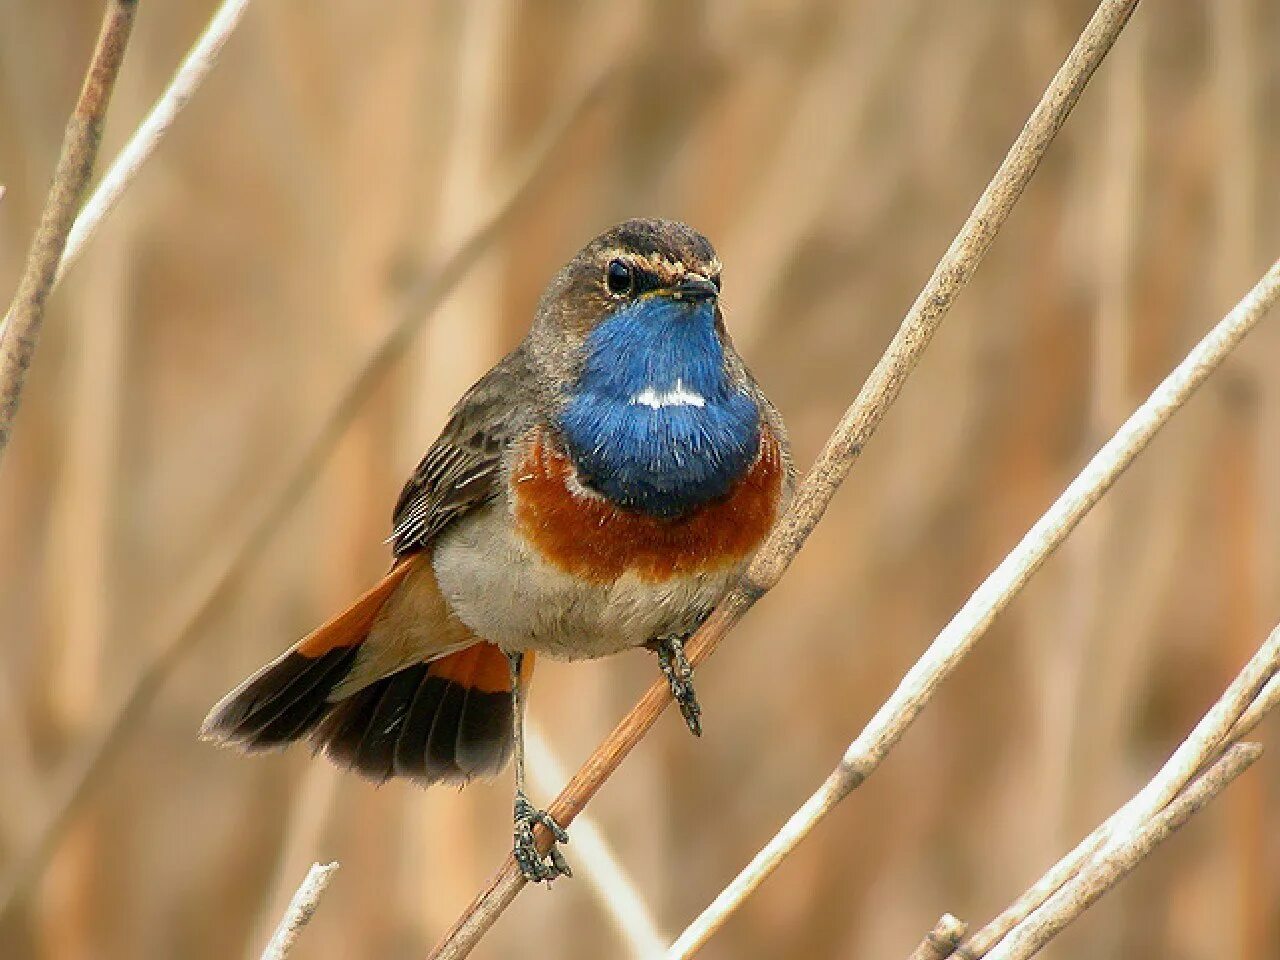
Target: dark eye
[
  {"x": 619, "y": 278},
  {"x": 715, "y": 281}
]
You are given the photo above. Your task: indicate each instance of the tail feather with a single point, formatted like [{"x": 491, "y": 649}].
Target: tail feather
[
  {"x": 287, "y": 698},
  {"x": 438, "y": 757},
  {"x": 298, "y": 718},
  {"x": 444, "y": 718},
  {"x": 294, "y": 712},
  {"x": 415, "y": 730},
  {"x": 360, "y": 732},
  {"x": 484, "y": 740},
  {"x": 439, "y": 722},
  {"x": 280, "y": 703}
]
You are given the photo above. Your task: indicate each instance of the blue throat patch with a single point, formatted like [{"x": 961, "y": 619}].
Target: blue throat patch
[{"x": 653, "y": 422}]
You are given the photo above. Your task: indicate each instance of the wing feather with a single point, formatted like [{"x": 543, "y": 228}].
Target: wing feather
[{"x": 463, "y": 468}]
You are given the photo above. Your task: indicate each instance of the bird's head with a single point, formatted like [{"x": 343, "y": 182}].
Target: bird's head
[
  {"x": 653, "y": 404},
  {"x": 639, "y": 281}
]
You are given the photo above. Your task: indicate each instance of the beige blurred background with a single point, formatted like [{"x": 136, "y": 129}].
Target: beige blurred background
[{"x": 341, "y": 151}]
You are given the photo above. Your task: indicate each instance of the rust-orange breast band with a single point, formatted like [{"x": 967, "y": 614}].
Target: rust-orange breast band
[{"x": 591, "y": 538}]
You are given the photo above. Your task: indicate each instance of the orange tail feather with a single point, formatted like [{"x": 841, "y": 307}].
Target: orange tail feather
[{"x": 287, "y": 698}]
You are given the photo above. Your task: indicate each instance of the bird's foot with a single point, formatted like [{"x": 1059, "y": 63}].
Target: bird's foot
[
  {"x": 537, "y": 866},
  {"x": 679, "y": 673}
]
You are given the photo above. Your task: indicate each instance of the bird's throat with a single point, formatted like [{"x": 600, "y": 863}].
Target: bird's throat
[{"x": 655, "y": 423}]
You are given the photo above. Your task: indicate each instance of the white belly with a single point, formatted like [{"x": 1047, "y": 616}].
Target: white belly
[{"x": 510, "y": 596}]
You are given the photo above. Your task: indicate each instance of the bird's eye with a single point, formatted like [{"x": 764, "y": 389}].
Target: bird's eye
[
  {"x": 619, "y": 278},
  {"x": 715, "y": 281}
]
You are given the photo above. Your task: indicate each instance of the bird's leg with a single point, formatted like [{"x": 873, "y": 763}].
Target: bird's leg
[
  {"x": 679, "y": 673},
  {"x": 534, "y": 865}
]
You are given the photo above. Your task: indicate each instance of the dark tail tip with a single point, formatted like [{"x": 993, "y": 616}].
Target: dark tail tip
[
  {"x": 283, "y": 702},
  {"x": 418, "y": 725}
]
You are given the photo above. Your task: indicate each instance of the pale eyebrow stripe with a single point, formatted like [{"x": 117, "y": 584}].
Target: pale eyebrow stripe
[{"x": 661, "y": 264}]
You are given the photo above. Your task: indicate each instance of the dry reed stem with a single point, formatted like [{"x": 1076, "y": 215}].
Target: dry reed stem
[
  {"x": 301, "y": 909},
  {"x": 311, "y": 808},
  {"x": 124, "y": 169},
  {"x": 959, "y": 636},
  {"x": 842, "y": 449},
  {"x": 1239, "y": 709},
  {"x": 1087, "y": 887},
  {"x": 1113, "y": 863},
  {"x": 1228, "y": 723},
  {"x": 1069, "y": 661},
  {"x": 80, "y": 143},
  {"x": 128, "y": 162},
  {"x": 1116, "y": 863},
  {"x": 230, "y": 559},
  {"x": 942, "y": 940},
  {"x": 1255, "y": 692},
  {"x": 603, "y": 872}
]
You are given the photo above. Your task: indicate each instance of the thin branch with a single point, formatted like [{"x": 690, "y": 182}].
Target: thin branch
[
  {"x": 301, "y": 909},
  {"x": 311, "y": 807},
  {"x": 128, "y": 162},
  {"x": 857, "y": 425},
  {"x": 1117, "y": 863},
  {"x": 959, "y": 636},
  {"x": 1266, "y": 701},
  {"x": 1087, "y": 887},
  {"x": 180, "y": 630},
  {"x": 186, "y": 80},
  {"x": 941, "y": 942},
  {"x": 80, "y": 144},
  {"x": 1175, "y": 773},
  {"x": 604, "y": 874},
  {"x": 1236, "y": 713}
]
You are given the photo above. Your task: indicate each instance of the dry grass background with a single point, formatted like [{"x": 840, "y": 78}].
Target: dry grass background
[{"x": 342, "y": 149}]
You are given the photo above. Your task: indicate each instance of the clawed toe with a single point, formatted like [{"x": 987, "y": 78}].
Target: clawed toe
[
  {"x": 679, "y": 673},
  {"x": 535, "y": 865}
]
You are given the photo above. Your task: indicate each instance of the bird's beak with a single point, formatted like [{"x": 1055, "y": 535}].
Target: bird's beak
[{"x": 694, "y": 288}]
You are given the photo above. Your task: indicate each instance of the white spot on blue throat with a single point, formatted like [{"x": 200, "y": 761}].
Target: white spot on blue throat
[
  {"x": 654, "y": 422},
  {"x": 677, "y": 396}
]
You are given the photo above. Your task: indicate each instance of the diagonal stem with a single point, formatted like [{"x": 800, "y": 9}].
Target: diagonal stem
[
  {"x": 859, "y": 422},
  {"x": 180, "y": 629},
  {"x": 970, "y": 623},
  {"x": 80, "y": 142}
]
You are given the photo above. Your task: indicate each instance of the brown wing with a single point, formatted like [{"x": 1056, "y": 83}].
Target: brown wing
[{"x": 463, "y": 468}]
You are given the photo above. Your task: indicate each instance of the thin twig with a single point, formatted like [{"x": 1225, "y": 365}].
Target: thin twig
[
  {"x": 1087, "y": 887},
  {"x": 857, "y": 425},
  {"x": 311, "y": 806},
  {"x": 942, "y": 940},
  {"x": 1113, "y": 866},
  {"x": 180, "y": 630},
  {"x": 959, "y": 636},
  {"x": 128, "y": 162},
  {"x": 186, "y": 80},
  {"x": 301, "y": 909},
  {"x": 80, "y": 144},
  {"x": 607, "y": 879},
  {"x": 1236, "y": 713}
]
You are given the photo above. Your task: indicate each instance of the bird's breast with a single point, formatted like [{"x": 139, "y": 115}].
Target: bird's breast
[{"x": 584, "y": 534}]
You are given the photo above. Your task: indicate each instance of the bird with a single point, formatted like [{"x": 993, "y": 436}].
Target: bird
[{"x": 600, "y": 489}]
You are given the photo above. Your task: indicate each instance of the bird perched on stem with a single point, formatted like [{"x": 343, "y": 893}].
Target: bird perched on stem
[{"x": 601, "y": 488}]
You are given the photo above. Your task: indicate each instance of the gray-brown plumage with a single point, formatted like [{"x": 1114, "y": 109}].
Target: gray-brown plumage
[{"x": 599, "y": 489}]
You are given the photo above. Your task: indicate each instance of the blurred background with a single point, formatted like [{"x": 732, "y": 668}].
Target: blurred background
[{"x": 303, "y": 207}]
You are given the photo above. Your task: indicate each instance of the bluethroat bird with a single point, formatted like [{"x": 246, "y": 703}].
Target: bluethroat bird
[{"x": 601, "y": 488}]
